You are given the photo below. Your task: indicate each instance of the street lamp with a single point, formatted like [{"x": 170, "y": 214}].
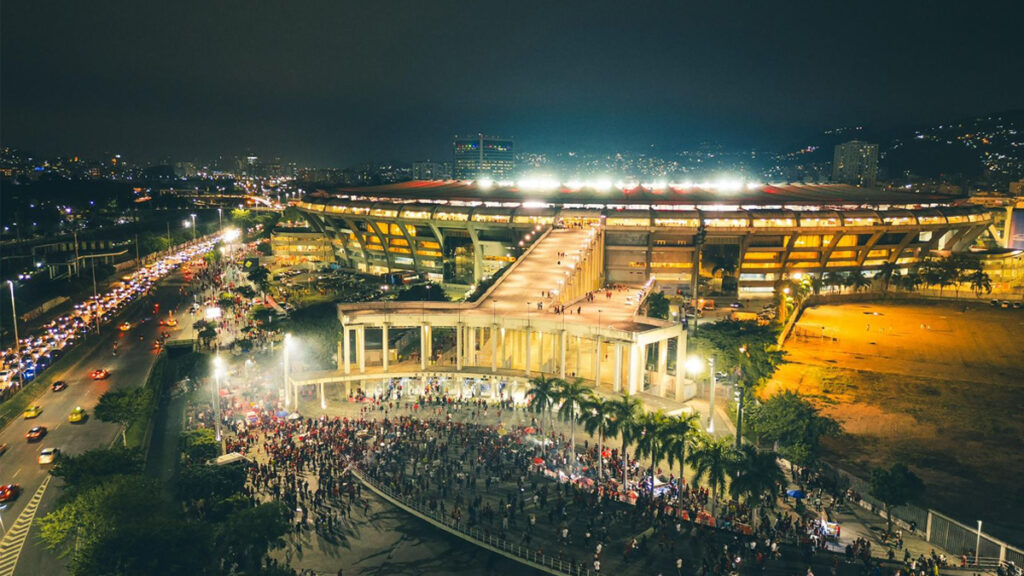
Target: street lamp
[
  {"x": 193, "y": 216},
  {"x": 739, "y": 409},
  {"x": 218, "y": 371},
  {"x": 695, "y": 366},
  {"x": 287, "y": 345},
  {"x": 220, "y": 218},
  {"x": 17, "y": 342}
]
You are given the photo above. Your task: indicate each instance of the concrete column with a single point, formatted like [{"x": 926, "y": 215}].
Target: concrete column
[
  {"x": 662, "y": 366},
  {"x": 471, "y": 352},
  {"x": 563, "y": 343},
  {"x": 424, "y": 334},
  {"x": 430, "y": 341},
  {"x": 635, "y": 368},
  {"x": 384, "y": 346},
  {"x": 579, "y": 356},
  {"x": 323, "y": 398},
  {"x": 339, "y": 356},
  {"x": 554, "y": 352},
  {"x": 361, "y": 348},
  {"x": 597, "y": 362},
  {"x": 617, "y": 382},
  {"x": 527, "y": 342},
  {"x": 459, "y": 329},
  {"x": 494, "y": 347},
  {"x": 503, "y": 336},
  {"x": 680, "y": 365},
  {"x": 346, "y": 352}
]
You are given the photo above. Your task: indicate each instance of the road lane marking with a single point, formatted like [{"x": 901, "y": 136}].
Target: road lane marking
[
  {"x": 14, "y": 539},
  {"x": 18, "y": 471}
]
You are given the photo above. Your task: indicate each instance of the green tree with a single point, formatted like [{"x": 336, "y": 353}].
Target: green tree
[
  {"x": 126, "y": 407},
  {"x": 94, "y": 467},
  {"x": 757, "y": 478},
  {"x": 894, "y": 487},
  {"x": 858, "y": 280},
  {"x": 205, "y": 331},
  {"x": 598, "y": 417},
  {"x": 260, "y": 276},
  {"x": 199, "y": 445},
  {"x": 211, "y": 483},
  {"x": 573, "y": 395},
  {"x": 711, "y": 459},
  {"x": 249, "y": 533},
  {"x": 627, "y": 411},
  {"x": 423, "y": 293},
  {"x": 678, "y": 435},
  {"x": 265, "y": 248},
  {"x": 792, "y": 422},
  {"x": 657, "y": 305},
  {"x": 725, "y": 340},
  {"x": 886, "y": 272},
  {"x": 543, "y": 393}
]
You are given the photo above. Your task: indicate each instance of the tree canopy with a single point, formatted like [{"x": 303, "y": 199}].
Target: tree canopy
[
  {"x": 794, "y": 423},
  {"x": 895, "y": 486},
  {"x": 124, "y": 407}
]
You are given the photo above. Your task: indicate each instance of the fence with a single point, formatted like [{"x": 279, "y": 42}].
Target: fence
[
  {"x": 522, "y": 554},
  {"x": 939, "y": 529}
]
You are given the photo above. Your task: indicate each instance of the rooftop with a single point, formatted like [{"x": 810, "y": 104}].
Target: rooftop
[{"x": 685, "y": 194}]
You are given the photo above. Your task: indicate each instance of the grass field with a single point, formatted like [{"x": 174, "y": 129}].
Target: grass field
[{"x": 936, "y": 386}]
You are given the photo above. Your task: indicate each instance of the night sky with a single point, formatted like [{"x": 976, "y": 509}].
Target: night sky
[{"x": 338, "y": 82}]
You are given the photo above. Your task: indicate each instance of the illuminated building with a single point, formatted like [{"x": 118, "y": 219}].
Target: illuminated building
[
  {"x": 855, "y": 163},
  {"x": 478, "y": 157}
]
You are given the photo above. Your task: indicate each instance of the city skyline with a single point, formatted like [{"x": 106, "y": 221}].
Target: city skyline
[{"x": 310, "y": 86}]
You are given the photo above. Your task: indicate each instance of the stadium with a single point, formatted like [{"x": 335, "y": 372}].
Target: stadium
[{"x": 751, "y": 234}]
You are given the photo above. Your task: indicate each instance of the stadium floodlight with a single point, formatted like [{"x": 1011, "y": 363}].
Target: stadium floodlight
[{"x": 485, "y": 183}]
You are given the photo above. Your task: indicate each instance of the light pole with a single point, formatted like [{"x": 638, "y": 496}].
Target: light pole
[
  {"x": 95, "y": 295},
  {"x": 711, "y": 397},
  {"x": 220, "y": 219},
  {"x": 17, "y": 341},
  {"x": 739, "y": 409},
  {"x": 193, "y": 216},
  {"x": 218, "y": 370},
  {"x": 287, "y": 345}
]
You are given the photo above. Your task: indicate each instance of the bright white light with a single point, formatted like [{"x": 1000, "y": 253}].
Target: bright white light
[
  {"x": 694, "y": 365},
  {"x": 574, "y": 185},
  {"x": 538, "y": 183},
  {"x": 485, "y": 183},
  {"x": 728, "y": 185},
  {"x": 212, "y": 313},
  {"x": 603, "y": 184},
  {"x": 754, "y": 185},
  {"x": 660, "y": 185},
  {"x": 535, "y": 204},
  {"x": 231, "y": 234}
]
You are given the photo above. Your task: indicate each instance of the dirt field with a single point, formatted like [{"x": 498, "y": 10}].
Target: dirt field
[{"x": 935, "y": 386}]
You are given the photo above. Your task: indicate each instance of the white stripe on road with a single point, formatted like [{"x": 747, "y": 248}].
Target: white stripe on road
[{"x": 14, "y": 539}]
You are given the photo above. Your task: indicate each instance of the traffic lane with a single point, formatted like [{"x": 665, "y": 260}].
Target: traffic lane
[{"x": 127, "y": 370}]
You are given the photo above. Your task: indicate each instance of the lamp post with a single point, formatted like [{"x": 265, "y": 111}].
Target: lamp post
[
  {"x": 17, "y": 341},
  {"x": 711, "y": 397},
  {"x": 193, "y": 216},
  {"x": 220, "y": 219},
  {"x": 287, "y": 345},
  {"x": 218, "y": 370},
  {"x": 739, "y": 409}
]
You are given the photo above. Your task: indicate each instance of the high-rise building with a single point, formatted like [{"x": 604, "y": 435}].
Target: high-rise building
[
  {"x": 855, "y": 162},
  {"x": 428, "y": 170},
  {"x": 484, "y": 157}
]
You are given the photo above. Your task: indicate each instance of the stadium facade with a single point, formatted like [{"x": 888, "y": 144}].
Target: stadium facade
[{"x": 461, "y": 232}]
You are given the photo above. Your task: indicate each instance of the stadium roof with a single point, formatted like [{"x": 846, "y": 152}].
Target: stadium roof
[{"x": 733, "y": 194}]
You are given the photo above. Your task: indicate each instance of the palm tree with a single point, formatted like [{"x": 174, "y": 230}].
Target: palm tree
[
  {"x": 573, "y": 396},
  {"x": 833, "y": 280},
  {"x": 598, "y": 417},
  {"x": 677, "y": 437},
  {"x": 886, "y": 272},
  {"x": 544, "y": 391},
  {"x": 858, "y": 280},
  {"x": 712, "y": 459},
  {"x": 627, "y": 410},
  {"x": 757, "y": 478},
  {"x": 912, "y": 280},
  {"x": 650, "y": 438},
  {"x": 980, "y": 282}
]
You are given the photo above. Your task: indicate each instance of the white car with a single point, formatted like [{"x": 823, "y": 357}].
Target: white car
[{"x": 48, "y": 455}]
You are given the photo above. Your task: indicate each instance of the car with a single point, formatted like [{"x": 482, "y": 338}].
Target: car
[
  {"x": 32, "y": 412},
  {"x": 76, "y": 415},
  {"x": 3, "y": 448},
  {"x": 125, "y": 326},
  {"x": 36, "y": 433},
  {"x": 736, "y": 304},
  {"x": 170, "y": 322},
  {"x": 99, "y": 374},
  {"x": 48, "y": 455},
  {"x": 9, "y": 492},
  {"x": 58, "y": 385}
]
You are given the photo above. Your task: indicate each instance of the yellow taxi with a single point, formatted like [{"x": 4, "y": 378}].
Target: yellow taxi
[
  {"x": 33, "y": 411},
  {"x": 77, "y": 415},
  {"x": 126, "y": 326}
]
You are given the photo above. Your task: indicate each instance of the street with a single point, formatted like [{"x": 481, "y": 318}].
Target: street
[{"x": 129, "y": 369}]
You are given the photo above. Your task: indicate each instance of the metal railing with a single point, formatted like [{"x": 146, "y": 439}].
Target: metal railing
[{"x": 482, "y": 538}]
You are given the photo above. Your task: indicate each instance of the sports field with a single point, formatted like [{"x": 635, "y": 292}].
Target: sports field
[{"x": 939, "y": 387}]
